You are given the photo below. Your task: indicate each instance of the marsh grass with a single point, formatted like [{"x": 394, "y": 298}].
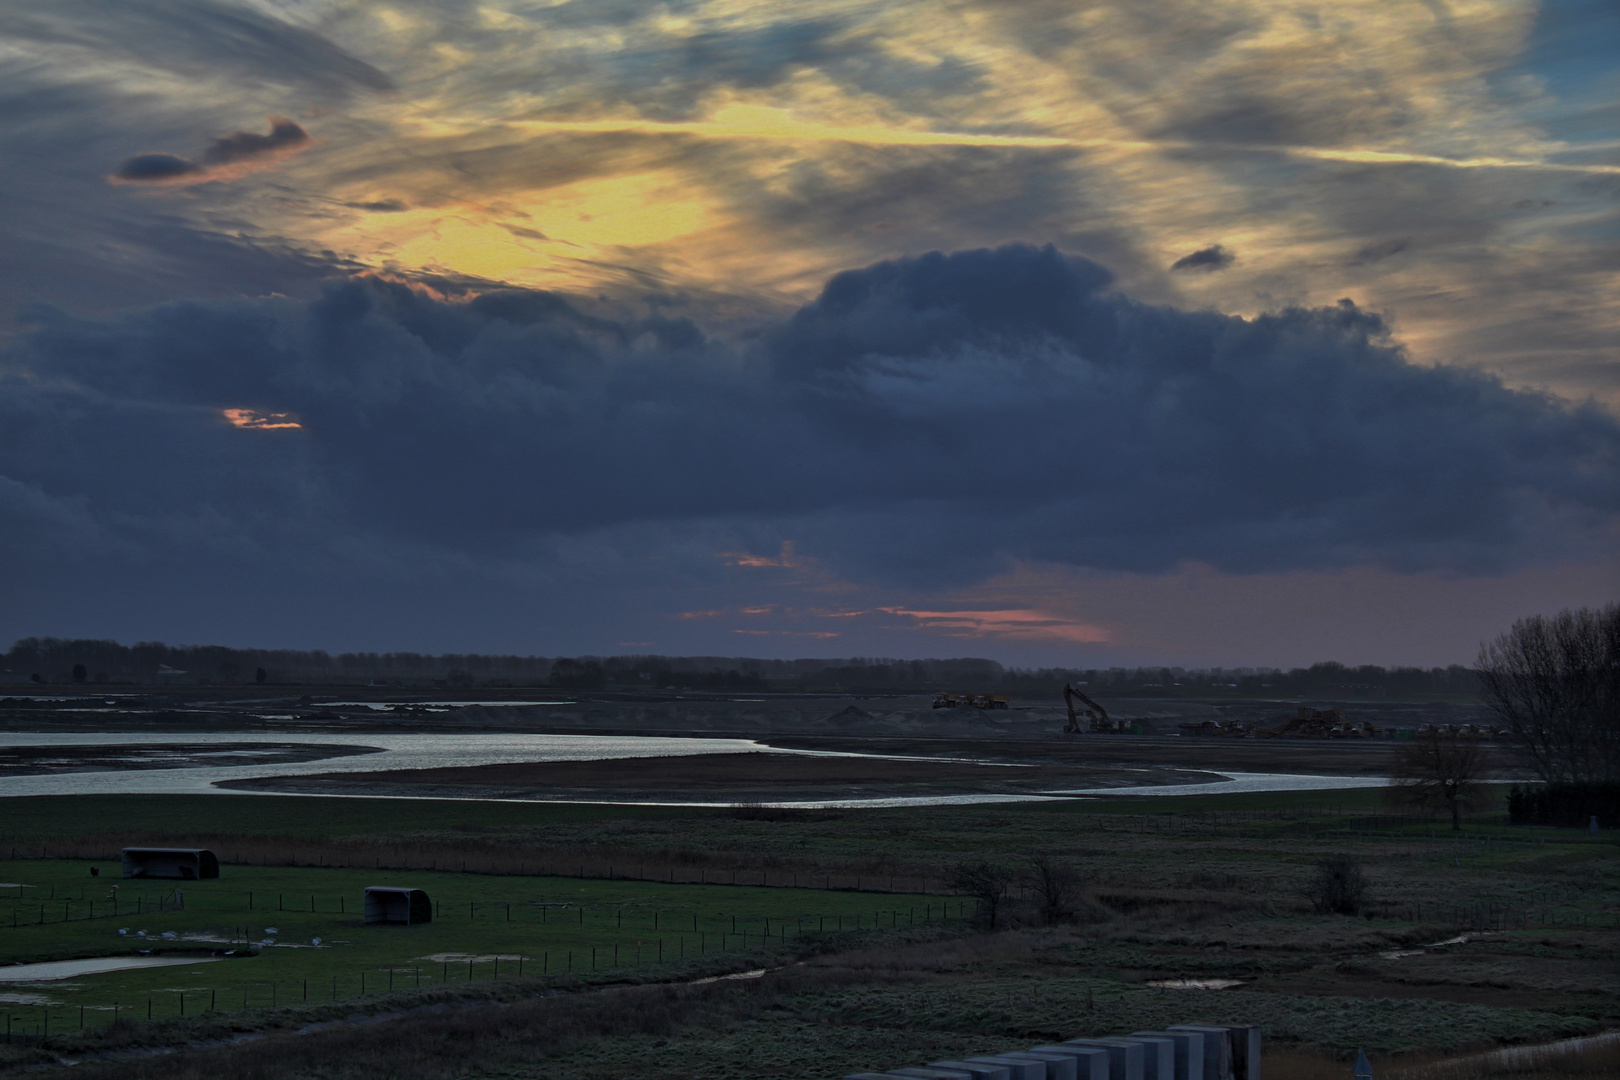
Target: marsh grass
[{"x": 1593, "y": 1057}]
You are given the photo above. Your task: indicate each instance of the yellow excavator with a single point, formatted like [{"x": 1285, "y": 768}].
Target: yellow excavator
[{"x": 1096, "y": 715}]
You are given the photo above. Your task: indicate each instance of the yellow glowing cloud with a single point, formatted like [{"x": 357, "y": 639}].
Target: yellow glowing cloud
[
  {"x": 764, "y": 122},
  {"x": 257, "y": 421},
  {"x": 536, "y": 237}
]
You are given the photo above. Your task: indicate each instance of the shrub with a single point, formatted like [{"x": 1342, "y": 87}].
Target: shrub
[
  {"x": 1055, "y": 887},
  {"x": 1338, "y": 887}
]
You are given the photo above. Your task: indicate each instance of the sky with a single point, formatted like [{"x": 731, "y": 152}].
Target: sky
[{"x": 1229, "y": 332}]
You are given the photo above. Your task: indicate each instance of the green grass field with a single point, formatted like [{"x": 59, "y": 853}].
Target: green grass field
[
  {"x": 1496, "y": 934},
  {"x": 484, "y": 929}
]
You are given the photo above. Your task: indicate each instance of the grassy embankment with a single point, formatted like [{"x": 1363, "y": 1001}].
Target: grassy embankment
[
  {"x": 1195, "y": 887},
  {"x": 485, "y": 928}
]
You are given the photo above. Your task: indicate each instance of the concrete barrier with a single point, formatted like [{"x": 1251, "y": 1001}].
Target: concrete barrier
[
  {"x": 1189, "y": 1051},
  {"x": 1057, "y": 1066},
  {"x": 1158, "y": 1056},
  {"x": 1245, "y": 1052},
  {"x": 1124, "y": 1057},
  {"x": 1091, "y": 1062},
  {"x": 1217, "y": 1049},
  {"x": 978, "y": 1071},
  {"x": 1179, "y": 1052},
  {"x": 1017, "y": 1069}
]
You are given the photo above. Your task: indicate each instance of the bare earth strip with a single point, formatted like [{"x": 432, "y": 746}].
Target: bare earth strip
[{"x": 711, "y": 777}]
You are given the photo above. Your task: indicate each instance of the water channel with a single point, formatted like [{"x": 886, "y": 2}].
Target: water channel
[{"x": 206, "y": 759}]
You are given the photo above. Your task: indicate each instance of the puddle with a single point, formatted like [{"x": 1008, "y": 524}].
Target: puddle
[
  {"x": 476, "y": 958},
  {"x": 1197, "y": 984},
  {"x": 27, "y": 999},
  {"x": 1397, "y": 954},
  {"x": 66, "y": 969}
]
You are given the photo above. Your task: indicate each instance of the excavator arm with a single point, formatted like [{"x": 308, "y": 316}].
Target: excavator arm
[{"x": 1094, "y": 712}]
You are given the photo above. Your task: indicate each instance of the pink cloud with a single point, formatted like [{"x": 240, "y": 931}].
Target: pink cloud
[
  {"x": 1017, "y": 624},
  {"x": 743, "y": 558},
  {"x": 258, "y": 421}
]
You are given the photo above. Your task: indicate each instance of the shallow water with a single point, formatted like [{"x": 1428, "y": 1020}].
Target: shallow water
[
  {"x": 67, "y": 969},
  {"x": 389, "y": 706},
  {"x": 395, "y": 751},
  {"x": 1240, "y": 781},
  {"x": 460, "y": 749}
]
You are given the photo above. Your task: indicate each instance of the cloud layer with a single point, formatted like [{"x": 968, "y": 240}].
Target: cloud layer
[
  {"x": 1451, "y": 164},
  {"x": 550, "y": 329},
  {"x": 924, "y": 422}
]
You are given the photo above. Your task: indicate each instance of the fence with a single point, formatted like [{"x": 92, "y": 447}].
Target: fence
[{"x": 36, "y": 1024}]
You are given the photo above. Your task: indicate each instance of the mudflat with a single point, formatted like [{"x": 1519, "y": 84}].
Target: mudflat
[{"x": 775, "y": 776}]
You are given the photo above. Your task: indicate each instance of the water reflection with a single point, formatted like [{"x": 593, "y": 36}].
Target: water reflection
[{"x": 393, "y": 751}]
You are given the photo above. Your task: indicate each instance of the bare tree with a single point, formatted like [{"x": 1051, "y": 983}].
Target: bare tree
[
  {"x": 1056, "y": 887},
  {"x": 1555, "y": 683},
  {"x": 986, "y": 882},
  {"x": 1440, "y": 769}
]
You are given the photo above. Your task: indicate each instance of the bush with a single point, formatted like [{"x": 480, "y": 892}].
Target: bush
[
  {"x": 1338, "y": 887},
  {"x": 1569, "y": 805},
  {"x": 986, "y": 882}
]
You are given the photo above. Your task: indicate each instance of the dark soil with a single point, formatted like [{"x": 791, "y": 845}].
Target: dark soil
[{"x": 728, "y": 776}]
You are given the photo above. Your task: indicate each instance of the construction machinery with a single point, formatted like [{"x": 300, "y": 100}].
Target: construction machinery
[
  {"x": 978, "y": 701},
  {"x": 1097, "y": 718},
  {"x": 1309, "y": 723}
]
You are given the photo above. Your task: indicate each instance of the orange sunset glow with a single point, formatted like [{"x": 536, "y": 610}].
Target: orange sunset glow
[{"x": 258, "y": 421}]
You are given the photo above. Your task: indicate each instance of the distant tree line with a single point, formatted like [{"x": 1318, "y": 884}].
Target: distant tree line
[{"x": 59, "y": 660}]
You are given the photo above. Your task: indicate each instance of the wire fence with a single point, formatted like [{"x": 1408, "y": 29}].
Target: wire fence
[{"x": 36, "y": 1024}]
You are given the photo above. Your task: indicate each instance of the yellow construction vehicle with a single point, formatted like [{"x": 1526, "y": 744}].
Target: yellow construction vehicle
[{"x": 1096, "y": 716}]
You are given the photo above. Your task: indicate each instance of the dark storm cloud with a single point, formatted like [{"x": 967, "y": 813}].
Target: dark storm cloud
[
  {"x": 380, "y": 206},
  {"x": 924, "y": 420},
  {"x": 224, "y": 156},
  {"x": 285, "y": 135},
  {"x": 155, "y": 169},
  {"x": 1207, "y": 259},
  {"x": 1378, "y": 252}
]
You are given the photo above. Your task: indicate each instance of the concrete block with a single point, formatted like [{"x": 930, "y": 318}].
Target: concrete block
[
  {"x": 1091, "y": 1062},
  {"x": 980, "y": 1072},
  {"x": 870, "y": 1076},
  {"x": 1217, "y": 1049},
  {"x": 1125, "y": 1058},
  {"x": 1058, "y": 1066},
  {"x": 1158, "y": 1056},
  {"x": 1245, "y": 1052},
  {"x": 1189, "y": 1051},
  {"x": 1016, "y": 1069},
  {"x": 934, "y": 1074}
]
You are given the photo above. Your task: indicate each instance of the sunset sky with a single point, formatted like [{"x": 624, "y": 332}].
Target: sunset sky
[{"x": 1229, "y": 332}]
